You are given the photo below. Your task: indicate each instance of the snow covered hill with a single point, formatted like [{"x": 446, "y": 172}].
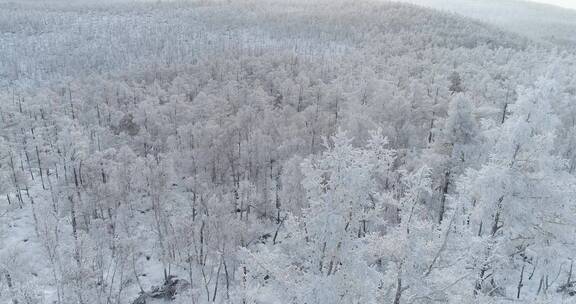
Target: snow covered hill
[
  {"x": 539, "y": 21},
  {"x": 267, "y": 151}
]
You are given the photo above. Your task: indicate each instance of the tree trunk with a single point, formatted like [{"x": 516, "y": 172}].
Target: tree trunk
[
  {"x": 520, "y": 283},
  {"x": 443, "y": 198},
  {"x": 11, "y": 287},
  {"x": 398, "y": 290}
]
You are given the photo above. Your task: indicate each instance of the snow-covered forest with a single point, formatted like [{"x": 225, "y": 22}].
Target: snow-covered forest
[
  {"x": 283, "y": 151},
  {"x": 541, "y": 22}
]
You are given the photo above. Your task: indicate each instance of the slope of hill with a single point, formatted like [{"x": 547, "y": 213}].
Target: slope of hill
[
  {"x": 535, "y": 20},
  {"x": 281, "y": 151}
]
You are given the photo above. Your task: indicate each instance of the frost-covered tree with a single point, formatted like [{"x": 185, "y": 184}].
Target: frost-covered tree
[
  {"x": 320, "y": 256},
  {"x": 520, "y": 203}
]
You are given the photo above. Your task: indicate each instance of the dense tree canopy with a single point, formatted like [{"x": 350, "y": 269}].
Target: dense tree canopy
[{"x": 281, "y": 152}]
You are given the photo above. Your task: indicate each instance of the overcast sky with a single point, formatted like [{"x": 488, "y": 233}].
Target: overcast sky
[{"x": 563, "y": 3}]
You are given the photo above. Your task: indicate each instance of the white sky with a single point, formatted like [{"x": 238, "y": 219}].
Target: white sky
[{"x": 563, "y": 3}]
